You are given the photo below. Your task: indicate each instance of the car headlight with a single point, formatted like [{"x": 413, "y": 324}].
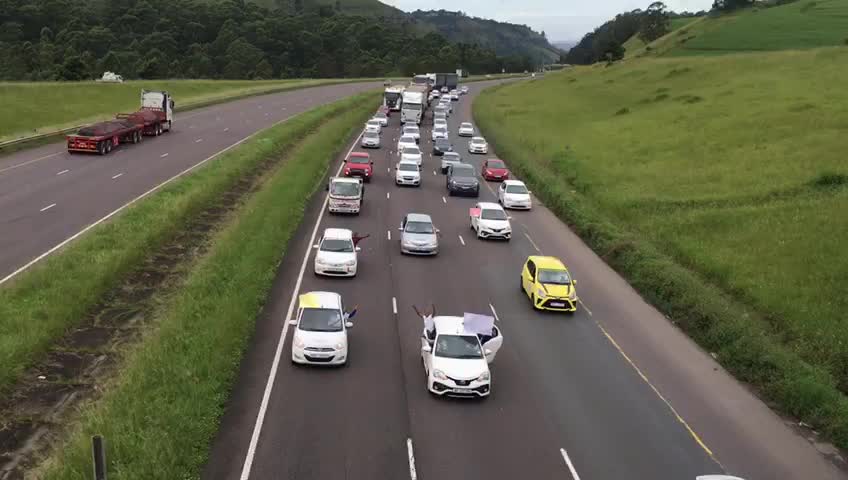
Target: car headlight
[
  {"x": 440, "y": 375},
  {"x": 298, "y": 342},
  {"x": 319, "y": 261},
  {"x": 540, "y": 293},
  {"x": 349, "y": 263},
  {"x": 484, "y": 377},
  {"x": 453, "y": 182},
  {"x": 340, "y": 346},
  {"x": 573, "y": 295}
]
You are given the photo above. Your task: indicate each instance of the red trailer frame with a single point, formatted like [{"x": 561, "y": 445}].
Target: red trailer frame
[{"x": 102, "y": 137}]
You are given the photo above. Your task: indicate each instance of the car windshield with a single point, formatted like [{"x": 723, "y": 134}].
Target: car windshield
[
  {"x": 337, "y": 245},
  {"x": 440, "y": 129},
  {"x": 345, "y": 189},
  {"x": 458, "y": 346},
  {"x": 320, "y": 320},
  {"x": 516, "y": 189},
  {"x": 495, "y": 164},
  {"x": 452, "y": 157},
  {"x": 419, "y": 227},
  {"x": 463, "y": 171},
  {"x": 358, "y": 160},
  {"x": 411, "y": 151},
  {"x": 493, "y": 214},
  {"x": 372, "y": 134},
  {"x": 465, "y": 125},
  {"x": 380, "y": 115},
  {"x": 407, "y": 139},
  {"x": 555, "y": 277},
  {"x": 442, "y": 142},
  {"x": 408, "y": 167},
  {"x": 411, "y": 106},
  {"x": 409, "y": 130},
  {"x": 375, "y": 123}
]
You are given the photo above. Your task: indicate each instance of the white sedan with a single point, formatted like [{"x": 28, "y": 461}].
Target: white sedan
[
  {"x": 466, "y": 129},
  {"x": 320, "y": 330},
  {"x": 439, "y": 132},
  {"x": 478, "y": 145},
  {"x": 489, "y": 220},
  {"x": 374, "y": 125},
  {"x": 514, "y": 194},
  {"x": 412, "y": 131},
  {"x": 457, "y": 351},
  {"x": 336, "y": 255},
  {"x": 406, "y": 141},
  {"x": 412, "y": 154}
]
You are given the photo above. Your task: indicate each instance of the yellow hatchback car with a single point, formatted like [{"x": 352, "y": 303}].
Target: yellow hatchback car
[{"x": 549, "y": 285}]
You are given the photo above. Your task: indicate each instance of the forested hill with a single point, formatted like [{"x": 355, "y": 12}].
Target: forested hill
[{"x": 79, "y": 39}]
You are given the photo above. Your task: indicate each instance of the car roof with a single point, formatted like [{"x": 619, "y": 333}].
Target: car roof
[
  {"x": 513, "y": 182},
  {"x": 489, "y": 206},
  {"x": 338, "y": 233},
  {"x": 410, "y": 147},
  {"x": 450, "y": 326},
  {"x": 412, "y": 127},
  {"x": 373, "y": 120},
  {"x": 324, "y": 299},
  {"x": 347, "y": 179},
  {"x": 418, "y": 217},
  {"x": 551, "y": 263},
  {"x": 465, "y": 123},
  {"x": 478, "y": 138}
]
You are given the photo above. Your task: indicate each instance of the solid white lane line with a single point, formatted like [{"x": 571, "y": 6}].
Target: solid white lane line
[
  {"x": 388, "y": 234},
  {"x": 570, "y": 465},
  {"x": 48, "y": 207},
  {"x": 63, "y": 172},
  {"x": 532, "y": 242},
  {"x": 584, "y": 306},
  {"x": 116, "y": 176},
  {"x": 269, "y": 385},
  {"x": 388, "y": 195},
  {"x": 494, "y": 312},
  {"x": 131, "y": 202},
  {"x": 198, "y": 140},
  {"x": 444, "y": 200},
  {"x": 461, "y": 240},
  {"x": 29, "y": 161},
  {"x": 163, "y": 155},
  {"x": 394, "y": 305},
  {"x": 412, "y": 473}
]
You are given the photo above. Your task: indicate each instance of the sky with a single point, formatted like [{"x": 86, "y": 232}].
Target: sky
[{"x": 560, "y": 19}]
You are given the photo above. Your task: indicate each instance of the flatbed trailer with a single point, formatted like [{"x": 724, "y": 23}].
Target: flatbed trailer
[{"x": 102, "y": 137}]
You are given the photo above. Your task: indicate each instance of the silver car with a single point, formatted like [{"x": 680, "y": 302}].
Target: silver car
[
  {"x": 448, "y": 159},
  {"x": 370, "y": 140},
  {"x": 418, "y": 235}
]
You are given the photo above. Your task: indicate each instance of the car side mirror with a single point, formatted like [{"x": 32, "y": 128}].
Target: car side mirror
[
  {"x": 315, "y": 246},
  {"x": 293, "y": 323},
  {"x": 529, "y": 192},
  {"x": 574, "y": 282},
  {"x": 509, "y": 217},
  {"x": 427, "y": 349},
  {"x": 358, "y": 249},
  {"x": 487, "y": 351},
  {"x": 348, "y": 324},
  {"x": 400, "y": 229}
]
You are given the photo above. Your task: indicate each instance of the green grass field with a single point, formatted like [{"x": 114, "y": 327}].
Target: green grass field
[
  {"x": 42, "y": 107},
  {"x": 803, "y": 24},
  {"x": 732, "y": 166}
]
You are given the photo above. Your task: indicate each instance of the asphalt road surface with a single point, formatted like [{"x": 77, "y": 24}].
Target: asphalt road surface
[
  {"x": 48, "y": 195},
  {"x": 612, "y": 392}
]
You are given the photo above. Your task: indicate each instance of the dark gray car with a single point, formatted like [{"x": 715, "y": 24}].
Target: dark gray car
[
  {"x": 441, "y": 146},
  {"x": 462, "y": 180}
]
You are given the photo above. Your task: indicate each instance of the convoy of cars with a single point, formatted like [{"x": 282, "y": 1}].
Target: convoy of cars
[{"x": 456, "y": 351}]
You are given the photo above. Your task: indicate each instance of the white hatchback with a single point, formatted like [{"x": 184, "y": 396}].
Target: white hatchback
[
  {"x": 412, "y": 154},
  {"x": 320, "y": 333},
  {"x": 466, "y": 129},
  {"x": 406, "y": 141},
  {"x": 412, "y": 131},
  {"x": 336, "y": 254},
  {"x": 514, "y": 194},
  {"x": 489, "y": 220},
  {"x": 439, "y": 132}
]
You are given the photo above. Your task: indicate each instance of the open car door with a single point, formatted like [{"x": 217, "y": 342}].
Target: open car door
[
  {"x": 492, "y": 344},
  {"x": 489, "y": 334}
]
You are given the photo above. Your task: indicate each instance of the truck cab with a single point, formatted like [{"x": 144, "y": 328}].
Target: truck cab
[
  {"x": 345, "y": 195},
  {"x": 161, "y": 102}
]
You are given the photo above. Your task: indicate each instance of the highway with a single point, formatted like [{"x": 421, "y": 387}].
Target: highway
[
  {"x": 48, "y": 196},
  {"x": 611, "y": 392}
]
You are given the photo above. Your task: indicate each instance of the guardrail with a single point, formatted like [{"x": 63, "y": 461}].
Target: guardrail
[{"x": 31, "y": 138}]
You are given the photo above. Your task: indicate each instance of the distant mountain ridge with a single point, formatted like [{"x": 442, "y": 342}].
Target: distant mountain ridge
[{"x": 504, "y": 38}]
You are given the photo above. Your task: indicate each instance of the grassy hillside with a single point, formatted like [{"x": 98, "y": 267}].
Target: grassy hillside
[
  {"x": 799, "y": 25},
  {"x": 733, "y": 169},
  {"x": 635, "y": 43}
]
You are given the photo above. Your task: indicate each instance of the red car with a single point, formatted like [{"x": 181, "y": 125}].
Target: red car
[
  {"x": 359, "y": 164},
  {"x": 494, "y": 169}
]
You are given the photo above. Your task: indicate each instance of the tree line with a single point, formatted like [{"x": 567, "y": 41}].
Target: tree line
[
  {"x": 606, "y": 43},
  {"x": 227, "y": 39}
]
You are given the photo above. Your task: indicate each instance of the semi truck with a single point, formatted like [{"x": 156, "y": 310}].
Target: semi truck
[
  {"x": 448, "y": 80},
  {"x": 414, "y": 103},
  {"x": 154, "y": 118},
  {"x": 393, "y": 98},
  {"x": 345, "y": 195}
]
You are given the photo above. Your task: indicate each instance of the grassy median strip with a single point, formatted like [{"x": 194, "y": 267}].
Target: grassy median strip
[
  {"x": 43, "y": 303},
  {"x": 162, "y": 411},
  {"x": 45, "y": 107},
  {"x": 721, "y": 198}
]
